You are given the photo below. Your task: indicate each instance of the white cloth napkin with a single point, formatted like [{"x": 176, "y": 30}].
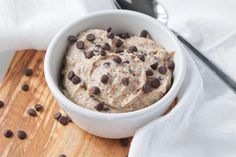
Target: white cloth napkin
[
  {"x": 203, "y": 124},
  {"x": 204, "y": 121}
]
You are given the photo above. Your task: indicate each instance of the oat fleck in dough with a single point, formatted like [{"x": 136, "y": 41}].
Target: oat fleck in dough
[{"x": 120, "y": 80}]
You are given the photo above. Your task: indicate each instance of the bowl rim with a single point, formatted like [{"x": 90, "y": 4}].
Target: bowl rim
[{"x": 64, "y": 101}]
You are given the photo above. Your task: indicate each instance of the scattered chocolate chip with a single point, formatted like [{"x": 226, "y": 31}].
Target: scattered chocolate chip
[
  {"x": 103, "y": 53},
  {"x": 25, "y": 87},
  {"x": 110, "y": 35},
  {"x": 141, "y": 57},
  {"x": 21, "y": 134},
  {"x": 98, "y": 48},
  {"x": 144, "y": 33},
  {"x": 8, "y": 133},
  {"x": 104, "y": 79},
  {"x": 32, "y": 112},
  {"x": 162, "y": 70},
  {"x": 154, "y": 66},
  {"x": 125, "y": 81},
  {"x": 155, "y": 83},
  {"x": 99, "y": 106},
  {"x": 89, "y": 54},
  {"x": 75, "y": 79},
  {"x": 28, "y": 72},
  {"x": 124, "y": 142},
  {"x": 62, "y": 155},
  {"x": 90, "y": 37},
  {"x": 117, "y": 59},
  {"x": 119, "y": 49},
  {"x": 146, "y": 88},
  {"x": 106, "y": 46},
  {"x": 80, "y": 44},
  {"x": 94, "y": 90},
  {"x": 70, "y": 75},
  {"x": 1, "y": 104},
  {"x": 124, "y": 35},
  {"x": 126, "y": 62},
  {"x": 57, "y": 115},
  {"x": 119, "y": 43},
  {"x": 71, "y": 39},
  {"x": 109, "y": 29},
  {"x": 149, "y": 72},
  {"x": 133, "y": 49},
  {"x": 63, "y": 120},
  {"x": 171, "y": 65},
  {"x": 38, "y": 107}
]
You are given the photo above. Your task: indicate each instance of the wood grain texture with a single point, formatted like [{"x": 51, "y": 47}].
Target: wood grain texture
[{"x": 46, "y": 137}]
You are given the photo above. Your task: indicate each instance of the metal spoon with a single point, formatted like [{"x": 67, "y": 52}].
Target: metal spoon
[{"x": 155, "y": 9}]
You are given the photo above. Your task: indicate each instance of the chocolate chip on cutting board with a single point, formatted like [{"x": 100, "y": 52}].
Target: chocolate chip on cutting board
[{"x": 8, "y": 133}]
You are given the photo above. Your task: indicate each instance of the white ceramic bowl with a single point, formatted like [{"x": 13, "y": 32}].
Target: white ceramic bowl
[{"x": 115, "y": 125}]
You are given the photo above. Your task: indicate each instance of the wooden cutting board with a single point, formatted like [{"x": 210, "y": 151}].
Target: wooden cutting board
[{"x": 46, "y": 137}]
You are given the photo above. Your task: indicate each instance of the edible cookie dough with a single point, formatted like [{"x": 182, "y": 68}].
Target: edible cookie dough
[{"x": 115, "y": 73}]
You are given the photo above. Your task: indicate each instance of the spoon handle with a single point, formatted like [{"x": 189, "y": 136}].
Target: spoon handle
[{"x": 229, "y": 81}]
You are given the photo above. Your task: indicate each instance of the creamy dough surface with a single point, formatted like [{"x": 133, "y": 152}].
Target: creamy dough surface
[{"x": 107, "y": 73}]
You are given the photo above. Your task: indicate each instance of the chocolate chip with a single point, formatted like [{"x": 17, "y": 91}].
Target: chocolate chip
[
  {"x": 163, "y": 70},
  {"x": 8, "y": 133},
  {"x": 38, "y": 107},
  {"x": 1, "y": 104},
  {"x": 144, "y": 33},
  {"x": 94, "y": 90},
  {"x": 21, "y": 134},
  {"x": 98, "y": 48},
  {"x": 106, "y": 109},
  {"x": 25, "y": 87},
  {"x": 154, "y": 66},
  {"x": 155, "y": 83},
  {"x": 90, "y": 37},
  {"x": 133, "y": 49},
  {"x": 171, "y": 65},
  {"x": 57, "y": 115},
  {"x": 62, "y": 155},
  {"x": 125, "y": 81},
  {"x": 110, "y": 35},
  {"x": 117, "y": 59},
  {"x": 99, "y": 106},
  {"x": 63, "y": 120},
  {"x": 119, "y": 49},
  {"x": 103, "y": 53},
  {"x": 32, "y": 112},
  {"x": 146, "y": 88},
  {"x": 149, "y": 72},
  {"x": 106, "y": 64},
  {"x": 109, "y": 29},
  {"x": 75, "y": 79},
  {"x": 89, "y": 54},
  {"x": 28, "y": 72},
  {"x": 119, "y": 43},
  {"x": 104, "y": 79},
  {"x": 124, "y": 35},
  {"x": 80, "y": 44},
  {"x": 126, "y": 62},
  {"x": 83, "y": 85},
  {"x": 141, "y": 57},
  {"x": 124, "y": 142},
  {"x": 106, "y": 46},
  {"x": 71, "y": 39},
  {"x": 70, "y": 75}
]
